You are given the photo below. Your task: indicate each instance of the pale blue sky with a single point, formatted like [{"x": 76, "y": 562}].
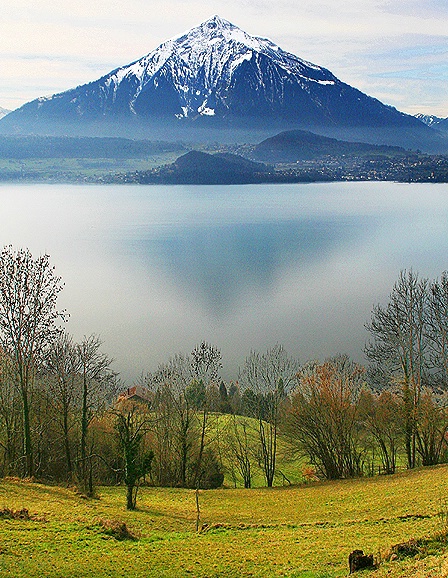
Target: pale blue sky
[{"x": 394, "y": 50}]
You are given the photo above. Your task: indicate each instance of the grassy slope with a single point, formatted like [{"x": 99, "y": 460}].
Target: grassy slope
[
  {"x": 287, "y": 461},
  {"x": 72, "y": 168},
  {"x": 302, "y": 532}
]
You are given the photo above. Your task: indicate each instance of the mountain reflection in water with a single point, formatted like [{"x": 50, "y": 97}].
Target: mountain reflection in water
[
  {"x": 219, "y": 264},
  {"x": 154, "y": 270}
]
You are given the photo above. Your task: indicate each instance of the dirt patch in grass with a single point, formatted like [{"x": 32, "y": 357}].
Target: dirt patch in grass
[
  {"x": 406, "y": 549},
  {"x": 421, "y": 547},
  {"x": 117, "y": 530},
  {"x": 22, "y": 514}
]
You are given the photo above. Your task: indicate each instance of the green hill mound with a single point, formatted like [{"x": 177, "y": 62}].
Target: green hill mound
[
  {"x": 293, "y": 145},
  {"x": 199, "y": 168}
]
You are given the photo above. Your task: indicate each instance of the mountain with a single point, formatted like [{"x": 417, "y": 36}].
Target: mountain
[
  {"x": 294, "y": 145},
  {"x": 428, "y": 119},
  {"x": 433, "y": 121},
  {"x": 3, "y": 112},
  {"x": 214, "y": 78},
  {"x": 442, "y": 125}
]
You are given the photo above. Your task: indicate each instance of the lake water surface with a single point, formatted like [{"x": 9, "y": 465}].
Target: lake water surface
[{"x": 155, "y": 269}]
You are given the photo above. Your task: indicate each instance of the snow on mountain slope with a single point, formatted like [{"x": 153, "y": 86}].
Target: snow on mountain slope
[
  {"x": 201, "y": 65},
  {"x": 215, "y": 75},
  {"x": 429, "y": 119},
  {"x": 215, "y": 68}
]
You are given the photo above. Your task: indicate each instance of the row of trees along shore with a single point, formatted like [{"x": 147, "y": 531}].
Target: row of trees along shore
[{"x": 65, "y": 416}]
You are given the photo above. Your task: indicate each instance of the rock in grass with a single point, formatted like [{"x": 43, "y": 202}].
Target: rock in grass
[{"x": 357, "y": 560}]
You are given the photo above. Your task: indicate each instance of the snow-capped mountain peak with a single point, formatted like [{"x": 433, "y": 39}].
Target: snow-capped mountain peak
[
  {"x": 203, "y": 61},
  {"x": 429, "y": 119},
  {"x": 212, "y": 76}
]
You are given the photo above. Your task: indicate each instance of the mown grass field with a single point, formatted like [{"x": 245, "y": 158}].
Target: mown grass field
[{"x": 301, "y": 532}]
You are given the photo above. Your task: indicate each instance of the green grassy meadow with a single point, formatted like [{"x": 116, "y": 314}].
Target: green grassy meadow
[
  {"x": 290, "y": 463},
  {"x": 72, "y": 169},
  {"x": 303, "y": 532}
]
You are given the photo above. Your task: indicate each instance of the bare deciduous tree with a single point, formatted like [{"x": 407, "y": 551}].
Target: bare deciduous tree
[
  {"x": 438, "y": 329},
  {"x": 205, "y": 366},
  {"x": 180, "y": 390},
  {"x": 96, "y": 378},
  {"x": 238, "y": 446},
  {"x": 29, "y": 289},
  {"x": 381, "y": 417},
  {"x": 174, "y": 423},
  {"x": 268, "y": 376},
  {"x": 431, "y": 431},
  {"x": 62, "y": 377},
  {"x": 10, "y": 424},
  {"x": 399, "y": 352}
]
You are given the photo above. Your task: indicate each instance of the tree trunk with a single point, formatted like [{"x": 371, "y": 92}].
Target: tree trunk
[
  {"x": 268, "y": 441},
  {"x": 201, "y": 449},
  {"x": 84, "y": 427},
  {"x": 131, "y": 496},
  {"x": 184, "y": 455},
  {"x": 198, "y": 511},
  {"x": 68, "y": 456},
  {"x": 27, "y": 443}
]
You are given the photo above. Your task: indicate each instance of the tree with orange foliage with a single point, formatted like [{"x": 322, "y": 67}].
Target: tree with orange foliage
[{"x": 323, "y": 417}]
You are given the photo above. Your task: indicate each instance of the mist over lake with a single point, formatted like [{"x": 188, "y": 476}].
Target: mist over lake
[{"x": 154, "y": 270}]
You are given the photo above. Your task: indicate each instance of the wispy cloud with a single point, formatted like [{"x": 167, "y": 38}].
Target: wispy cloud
[
  {"x": 371, "y": 44},
  {"x": 429, "y": 9}
]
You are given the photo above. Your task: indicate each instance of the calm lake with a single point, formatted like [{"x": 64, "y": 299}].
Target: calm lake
[{"x": 155, "y": 269}]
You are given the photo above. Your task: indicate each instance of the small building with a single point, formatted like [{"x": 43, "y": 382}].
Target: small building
[{"x": 136, "y": 393}]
